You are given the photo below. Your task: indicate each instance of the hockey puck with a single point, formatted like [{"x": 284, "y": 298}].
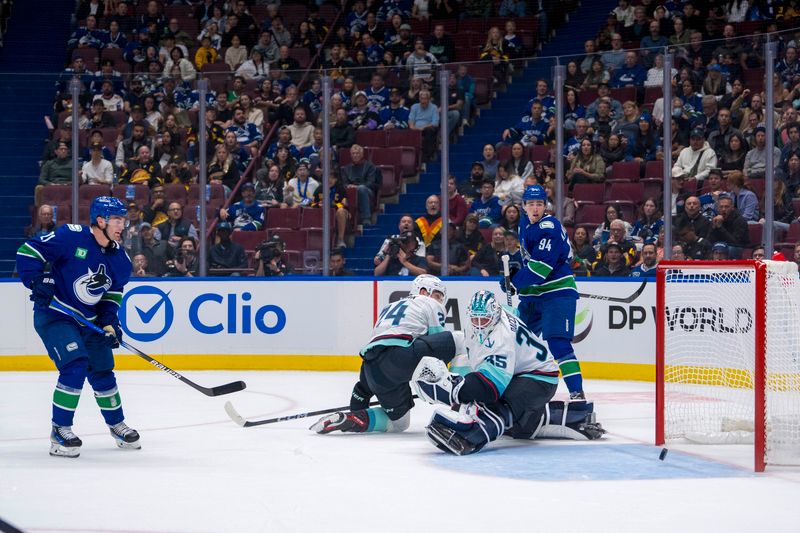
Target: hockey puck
[{"x": 663, "y": 454}]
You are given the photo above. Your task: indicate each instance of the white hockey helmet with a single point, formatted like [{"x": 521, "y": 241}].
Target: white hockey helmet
[
  {"x": 484, "y": 313},
  {"x": 430, "y": 284}
]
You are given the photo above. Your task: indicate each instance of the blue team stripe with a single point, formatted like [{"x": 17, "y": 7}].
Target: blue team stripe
[{"x": 499, "y": 379}]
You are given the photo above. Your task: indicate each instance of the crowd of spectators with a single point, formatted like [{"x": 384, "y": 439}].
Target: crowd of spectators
[
  {"x": 138, "y": 64},
  {"x": 718, "y": 145}
]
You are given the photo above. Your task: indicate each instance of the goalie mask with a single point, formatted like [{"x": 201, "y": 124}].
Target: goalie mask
[
  {"x": 429, "y": 283},
  {"x": 484, "y": 314}
]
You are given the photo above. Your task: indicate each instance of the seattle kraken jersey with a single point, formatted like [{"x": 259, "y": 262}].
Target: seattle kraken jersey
[
  {"x": 88, "y": 279},
  {"x": 510, "y": 349},
  {"x": 400, "y": 322},
  {"x": 546, "y": 260}
]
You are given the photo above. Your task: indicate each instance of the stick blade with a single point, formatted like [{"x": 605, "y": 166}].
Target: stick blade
[
  {"x": 234, "y": 415},
  {"x": 228, "y": 388}
]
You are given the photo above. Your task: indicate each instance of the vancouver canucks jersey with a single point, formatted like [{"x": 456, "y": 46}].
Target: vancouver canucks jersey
[
  {"x": 511, "y": 349},
  {"x": 546, "y": 260},
  {"x": 400, "y": 322},
  {"x": 88, "y": 278}
]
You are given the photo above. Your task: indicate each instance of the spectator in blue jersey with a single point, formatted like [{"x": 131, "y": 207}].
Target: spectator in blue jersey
[
  {"x": 377, "y": 92},
  {"x": 630, "y": 74},
  {"x": 645, "y": 145},
  {"x": 544, "y": 97},
  {"x": 573, "y": 109},
  {"x": 284, "y": 140},
  {"x": 246, "y": 214},
  {"x": 647, "y": 268},
  {"x": 224, "y": 253},
  {"x": 395, "y": 114},
  {"x": 604, "y": 93},
  {"x": 366, "y": 177},
  {"x": 312, "y": 98},
  {"x": 372, "y": 50},
  {"x": 573, "y": 144},
  {"x": 487, "y": 206},
  {"x": 247, "y": 133},
  {"x": 88, "y": 36},
  {"x": 531, "y": 128},
  {"x": 424, "y": 116},
  {"x": 649, "y": 224},
  {"x": 547, "y": 287}
]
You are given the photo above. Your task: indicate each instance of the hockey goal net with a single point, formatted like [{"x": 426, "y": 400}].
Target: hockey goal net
[{"x": 728, "y": 356}]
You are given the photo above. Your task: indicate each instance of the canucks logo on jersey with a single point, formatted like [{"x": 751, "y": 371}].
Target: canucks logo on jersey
[{"x": 91, "y": 287}]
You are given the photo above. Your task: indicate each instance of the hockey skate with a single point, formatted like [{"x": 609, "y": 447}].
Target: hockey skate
[
  {"x": 125, "y": 437},
  {"x": 64, "y": 443},
  {"x": 351, "y": 422}
]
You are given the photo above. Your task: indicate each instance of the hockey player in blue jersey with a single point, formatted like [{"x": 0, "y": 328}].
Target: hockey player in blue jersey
[
  {"x": 88, "y": 270},
  {"x": 546, "y": 286}
]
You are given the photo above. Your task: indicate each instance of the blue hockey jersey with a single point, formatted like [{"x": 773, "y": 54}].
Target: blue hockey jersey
[
  {"x": 88, "y": 279},
  {"x": 546, "y": 259}
]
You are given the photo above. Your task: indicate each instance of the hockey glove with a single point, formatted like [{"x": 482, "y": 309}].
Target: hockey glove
[
  {"x": 509, "y": 287},
  {"x": 112, "y": 336},
  {"x": 43, "y": 287},
  {"x": 434, "y": 383}
]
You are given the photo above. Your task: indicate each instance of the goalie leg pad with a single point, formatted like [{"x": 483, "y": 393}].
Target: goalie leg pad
[
  {"x": 571, "y": 420},
  {"x": 468, "y": 430},
  {"x": 527, "y": 397}
]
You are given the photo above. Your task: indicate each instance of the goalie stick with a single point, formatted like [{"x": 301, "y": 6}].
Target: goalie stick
[
  {"x": 507, "y": 275},
  {"x": 625, "y": 300},
  {"x": 228, "y": 388},
  {"x": 240, "y": 420}
]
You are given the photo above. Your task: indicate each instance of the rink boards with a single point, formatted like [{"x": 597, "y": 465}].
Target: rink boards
[{"x": 317, "y": 324}]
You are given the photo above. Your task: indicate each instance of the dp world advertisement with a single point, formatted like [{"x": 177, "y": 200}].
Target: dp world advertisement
[{"x": 319, "y": 324}]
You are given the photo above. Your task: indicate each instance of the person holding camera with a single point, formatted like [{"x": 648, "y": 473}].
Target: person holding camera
[
  {"x": 398, "y": 257},
  {"x": 185, "y": 263},
  {"x": 269, "y": 258}
]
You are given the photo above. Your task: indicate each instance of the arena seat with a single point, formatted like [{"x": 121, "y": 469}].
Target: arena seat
[
  {"x": 249, "y": 239},
  {"x": 56, "y": 194},
  {"x": 588, "y": 193},
  {"x": 176, "y": 192},
  {"x": 625, "y": 171},
  {"x": 590, "y": 216},
  {"x": 88, "y": 192},
  {"x": 287, "y": 218},
  {"x": 292, "y": 239},
  {"x": 139, "y": 193},
  {"x": 622, "y": 193}
]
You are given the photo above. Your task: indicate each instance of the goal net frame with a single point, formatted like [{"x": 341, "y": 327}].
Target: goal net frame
[{"x": 759, "y": 369}]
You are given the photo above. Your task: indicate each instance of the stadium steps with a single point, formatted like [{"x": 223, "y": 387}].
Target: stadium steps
[
  {"x": 505, "y": 111},
  {"x": 35, "y": 46}
]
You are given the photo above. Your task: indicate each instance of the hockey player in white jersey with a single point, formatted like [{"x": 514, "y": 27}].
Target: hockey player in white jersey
[
  {"x": 406, "y": 331},
  {"x": 504, "y": 385}
]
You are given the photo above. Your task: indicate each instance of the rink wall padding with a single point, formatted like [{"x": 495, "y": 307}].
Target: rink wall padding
[{"x": 316, "y": 324}]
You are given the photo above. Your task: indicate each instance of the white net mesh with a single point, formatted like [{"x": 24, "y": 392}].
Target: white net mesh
[{"x": 709, "y": 356}]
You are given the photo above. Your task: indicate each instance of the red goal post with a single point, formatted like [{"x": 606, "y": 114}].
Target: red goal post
[{"x": 728, "y": 356}]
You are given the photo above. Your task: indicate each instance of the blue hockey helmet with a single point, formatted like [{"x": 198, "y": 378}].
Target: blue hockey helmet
[
  {"x": 534, "y": 192},
  {"x": 106, "y": 207}
]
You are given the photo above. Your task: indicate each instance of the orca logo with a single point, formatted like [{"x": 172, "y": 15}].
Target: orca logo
[
  {"x": 90, "y": 287},
  {"x": 146, "y": 322}
]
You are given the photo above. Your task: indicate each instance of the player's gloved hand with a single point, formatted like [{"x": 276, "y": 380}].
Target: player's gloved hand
[
  {"x": 508, "y": 287},
  {"x": 434, "y": 383},
  {"x": 43, "y": 287},
  {"x": 112, "y": 336}
]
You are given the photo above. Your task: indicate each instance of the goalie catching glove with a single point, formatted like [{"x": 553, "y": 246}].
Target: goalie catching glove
[{"x": 434, "y": 383}]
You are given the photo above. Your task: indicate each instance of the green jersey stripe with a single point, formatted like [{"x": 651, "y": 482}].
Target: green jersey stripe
[
  {"x": 540, "y": 268},
  {"x": 113, "y": 296},
  {"x": 29, "y": 251},
  {"x": 565, "y": 283}
]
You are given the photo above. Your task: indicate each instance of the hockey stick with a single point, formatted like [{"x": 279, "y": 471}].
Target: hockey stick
[
  {"x": 507, "y": 276},
  {"x": 626, "y": 300},
  {"x": 208, "y": 391},
  {"x": 239, "y": 419}
]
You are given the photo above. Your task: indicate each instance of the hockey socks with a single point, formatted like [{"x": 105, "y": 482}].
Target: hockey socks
[
  {"x": 107, "y": 396},
  {"x": 372, "y": 420},
  {"x": 568, "y": 364},
  {"x": 68, "y": 391}
]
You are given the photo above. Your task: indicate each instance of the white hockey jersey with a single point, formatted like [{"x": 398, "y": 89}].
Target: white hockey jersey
[
  {"x": 510, "y": 350},
  {"x": 400, "y": 322}
]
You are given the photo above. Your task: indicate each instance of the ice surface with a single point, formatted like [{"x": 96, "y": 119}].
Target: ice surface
[{"x": 199, "y": 472}]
